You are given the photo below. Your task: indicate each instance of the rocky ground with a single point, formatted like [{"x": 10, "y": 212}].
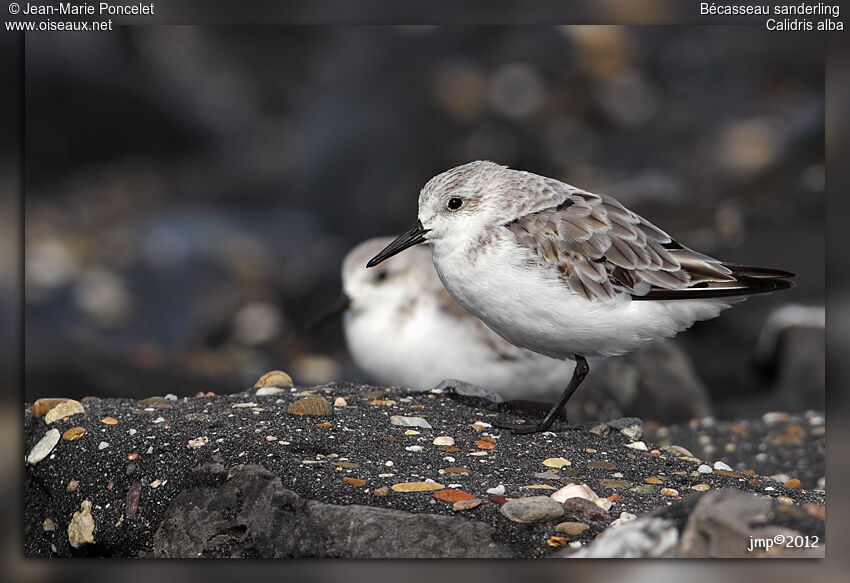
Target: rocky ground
[{"x": 346, "y": 470}]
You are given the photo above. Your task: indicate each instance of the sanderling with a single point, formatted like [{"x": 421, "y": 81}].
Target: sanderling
[
  {"x": 403, "y": 328},
  {"x": 565, "y": 272}
]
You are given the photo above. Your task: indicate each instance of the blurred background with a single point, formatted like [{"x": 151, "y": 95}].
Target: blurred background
[{"x": 191, "y": 191}]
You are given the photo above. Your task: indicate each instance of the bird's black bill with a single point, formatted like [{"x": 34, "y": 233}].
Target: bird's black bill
[
  {"x": 338, "y": 307},
  {"x": 413, "y": 236}
]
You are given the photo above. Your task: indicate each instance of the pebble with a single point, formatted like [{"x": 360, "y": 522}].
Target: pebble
[
  {"x": 403, "y": 421},
  {"x": 156, "y": 483},
  {"x": 532, "y": 509},
  {"x": 669, "y": 492},
  {"x": 382, "y": 491},
  {"x": 81, "y": 527},
  {"x": 132, "y": 501},
  {"x": 160, "y": 402},
  {"x": 485, "y": 443},
  {"x": 44, "y": 446},
  {"x": 444, "y": 440},
  {"x": 412, "y": 432},
  {"x": 63, "y": 409},
  {"x": 794, "y": 483},
  {"x": 73, "y": 485},
  {"x": 452, "y": 495},
  {"x": 74, "y": 433},
  {"x": 727, "y": 473},
  {"x": 246, "y": 405},
  {"x": 678, "y": 450},
  {"x": 574, "y": 491},
  {"x": 639, "y": 445},
  {"x": 159, "y": 420},
  {"x": 602, "y": 465},
  {"x": 720, "y": 466},
  {"x": 556, "y": 541},
  {"x": 340, "y": 402},
  {"x": 269, "y": 391},
  {"x": 547, "y": 476},
  {"x": 413, "y": 448},
  {"x": 198, "y": 442},
  {"x": 603, "y": 503},
  {"x": 274, "y": 378},
  {"x": 704, "y": 469},
  {"x": 497, "y": 491},
  {"x": 774, "y": 417},
  {"x": 785, "y": 500},
  {"x": 653, "y": 480},
  {"x": 643, "y": 489},
  {"x": 615, "y": 484},
  {"x": 42, "y": 406},
  {"x": 109, "y": 421},
  {"x": 623, "y": 519},
  {"x": 200, "y": 417},
  {"x": 417, "y": 486},
  {"x": 468, "y": 504},
  {"x": 454, "y": 470},
  {"x": 585, "y": 508},
  {"x": 700, "y": 487},
  {"x": 354, "y": 481},
  {"x": 556, "y": 462},
  {"x": 631, "y": 427},
  {"x": 314, "y": 405},
  {"x": 102, "y": 445},
  {"x": 572, "y": 528},
  {"x": 48, "y": 525}
]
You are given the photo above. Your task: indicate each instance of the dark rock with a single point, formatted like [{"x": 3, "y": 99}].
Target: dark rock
[
  {"x": 715, "y": 524},
  {"x": 656, "y": 382},
  {"x": 253, "y": 515},
  {"x": 309, "y": 461},
  {"x": 723, "y": 525}
]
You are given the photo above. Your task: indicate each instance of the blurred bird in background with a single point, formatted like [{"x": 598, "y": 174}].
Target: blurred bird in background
[{"x": 402, "y": 328}]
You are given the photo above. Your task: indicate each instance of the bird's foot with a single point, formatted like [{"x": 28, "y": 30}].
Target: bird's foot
[{"x": 526, "y": 428}]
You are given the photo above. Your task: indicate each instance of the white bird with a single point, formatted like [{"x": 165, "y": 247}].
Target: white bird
[
  {"x": 565, "y": 272},
  {"x": 402, "y": 328}
]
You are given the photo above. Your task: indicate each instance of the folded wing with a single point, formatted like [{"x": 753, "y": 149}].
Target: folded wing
[{"x": 602, "y": 249}]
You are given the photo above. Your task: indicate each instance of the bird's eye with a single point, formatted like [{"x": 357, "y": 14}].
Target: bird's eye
[
  {"x": 381, "y": 276},
  {"x": 454, "y": 203}
]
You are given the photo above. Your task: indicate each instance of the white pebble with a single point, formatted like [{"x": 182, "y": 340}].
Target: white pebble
[
  {"x": 44, "y": 446},
  {"x": 637, "y": 445},
  {"x": 704, "y": 469},
  {"x": 413, "y": 448},
  {"x": 409, "y": 421},
  {"x": 449, "y": 458},
  {"x": 497, "y": 491},
  {"x": 102, "y": 445},
  {"x": 624, "y": 518},
  {"x": 388, "y": 463},
  {"x": 159, "y": 420},
  {"x": 574, "y": 491},
  {"x": 444, "y": 440},
  {"x": 721, "y": 466},
  {"x": 132, "y": 432},
  {"x": 340, "y": 402}
]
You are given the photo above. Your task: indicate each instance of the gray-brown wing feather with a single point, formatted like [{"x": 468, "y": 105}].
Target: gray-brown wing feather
[{"x": 601, "y": 249}]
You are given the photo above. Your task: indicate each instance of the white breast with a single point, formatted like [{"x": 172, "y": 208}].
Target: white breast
[
  {"x": 421, "y": 347},
  {"x": 530, "y": 306}
]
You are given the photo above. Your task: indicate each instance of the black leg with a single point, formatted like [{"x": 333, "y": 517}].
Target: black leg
[{"x": 579, "y": 373}]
